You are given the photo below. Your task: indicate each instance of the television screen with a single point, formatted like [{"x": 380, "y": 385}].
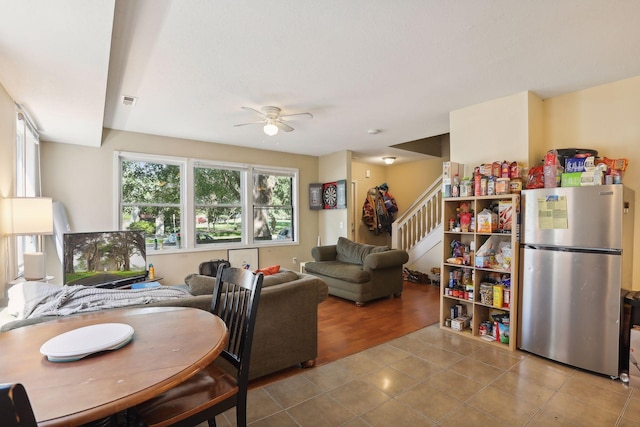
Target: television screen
[{"x": 105, "y": 259}]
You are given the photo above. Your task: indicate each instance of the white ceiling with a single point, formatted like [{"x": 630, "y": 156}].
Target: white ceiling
[{"x": 396, "y": 66}]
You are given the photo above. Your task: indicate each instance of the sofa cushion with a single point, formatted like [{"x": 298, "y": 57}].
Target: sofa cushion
[
  {"x": 203, "y": 285},
  {"x": 199, "y": 284},
  {"x": 355, "y": 253},
  {"x": 283, "y": 276},
  {"x": 348, "y": 272}
]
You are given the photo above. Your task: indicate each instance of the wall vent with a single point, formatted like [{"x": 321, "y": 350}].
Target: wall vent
[{"x": 129, "y": 100}]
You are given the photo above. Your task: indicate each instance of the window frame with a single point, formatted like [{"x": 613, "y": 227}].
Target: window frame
[
  {"x": 28, "y": 181},
  {"x": 187, "y": 200},
  {"x": 293, "y": 174}
]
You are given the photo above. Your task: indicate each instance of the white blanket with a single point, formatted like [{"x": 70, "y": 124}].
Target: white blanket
[{"x": 37, "y": 299}]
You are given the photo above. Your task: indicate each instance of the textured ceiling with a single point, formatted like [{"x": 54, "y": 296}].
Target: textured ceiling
[{"x": 399, "y": 67}]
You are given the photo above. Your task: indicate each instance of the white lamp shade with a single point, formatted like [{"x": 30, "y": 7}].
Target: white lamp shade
[
  {"x": 27, "y": 216},
  {"x": 389, "y": 160},
  {"x": 270, "y": 129}
]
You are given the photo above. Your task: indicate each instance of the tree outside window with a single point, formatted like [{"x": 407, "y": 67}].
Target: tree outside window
[
  {"x": 272, "y": 206},
  {"x": 188, "y": 203},
  {"x": 218, "y": 205},
  {"x": 151, "y": 201}
]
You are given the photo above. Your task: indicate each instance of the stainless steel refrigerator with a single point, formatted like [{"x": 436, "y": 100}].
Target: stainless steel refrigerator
[{"x": 576, "y": 256}]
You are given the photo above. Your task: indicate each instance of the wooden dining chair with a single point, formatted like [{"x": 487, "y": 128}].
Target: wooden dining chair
[
  {"x": 15, "y": 408},
  {"x": 213, "y": 390}
]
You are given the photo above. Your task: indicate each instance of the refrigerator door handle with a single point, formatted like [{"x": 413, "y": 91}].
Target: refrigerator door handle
[{"x": 606, "y": 251}]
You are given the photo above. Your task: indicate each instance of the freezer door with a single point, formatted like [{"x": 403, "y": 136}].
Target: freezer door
[
  {"x": 585, "y": 217},
  {"x": 571, "y": 308}
]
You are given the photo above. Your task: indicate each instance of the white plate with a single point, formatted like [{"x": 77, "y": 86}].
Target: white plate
[{"x": 81, "y": 342}]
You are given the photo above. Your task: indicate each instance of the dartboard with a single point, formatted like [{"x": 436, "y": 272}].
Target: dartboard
[{"x": 330, "y": 196}]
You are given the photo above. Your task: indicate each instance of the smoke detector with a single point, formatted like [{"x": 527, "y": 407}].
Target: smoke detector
[{"x": 129, "y": 100}]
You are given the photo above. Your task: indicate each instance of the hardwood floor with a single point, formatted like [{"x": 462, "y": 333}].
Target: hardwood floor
[{"x": 345, "y": 329}]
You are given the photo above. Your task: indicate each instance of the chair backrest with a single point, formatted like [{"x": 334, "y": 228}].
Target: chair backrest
[
  {"x": 15, "y": 408},
  {"x": 235, "y": 301}
]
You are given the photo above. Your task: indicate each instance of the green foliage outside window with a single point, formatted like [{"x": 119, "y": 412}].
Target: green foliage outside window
[{"x": 151, "y": 200}]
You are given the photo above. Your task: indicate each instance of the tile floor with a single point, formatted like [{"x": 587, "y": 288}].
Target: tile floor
[{"x": 434, "y": 378}]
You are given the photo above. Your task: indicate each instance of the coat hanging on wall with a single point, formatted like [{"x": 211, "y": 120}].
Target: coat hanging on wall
[{"x": 379, "y": 209}]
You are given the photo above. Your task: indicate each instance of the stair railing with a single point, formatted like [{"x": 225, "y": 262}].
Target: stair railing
[{"x": 423, "y": 217}]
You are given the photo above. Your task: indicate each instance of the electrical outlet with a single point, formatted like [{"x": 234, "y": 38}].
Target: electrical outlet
[{"x": 294, "y": 260}]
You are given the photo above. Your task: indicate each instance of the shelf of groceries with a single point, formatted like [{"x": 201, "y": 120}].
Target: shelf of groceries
[
  {"x": 479, "y": 271},
  {"x": 478, "y": 289}
]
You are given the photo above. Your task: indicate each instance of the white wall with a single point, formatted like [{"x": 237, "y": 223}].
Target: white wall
[{"x": 82, "y": 179}]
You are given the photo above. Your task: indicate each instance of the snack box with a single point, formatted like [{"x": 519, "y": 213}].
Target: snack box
[
  {"x": 579, "y": 164},
  {"x": 487, "y": 222},
  {"x": 449, "y": 170},
  {"x": 505, "y": 215},
  {"x": 581, "y": 179},
  {"x": 570, "y": 179},
  {"x": 460, "y": 323},
  {"x": 591, "y": 178},
  {"x": 485, "y": 261}
]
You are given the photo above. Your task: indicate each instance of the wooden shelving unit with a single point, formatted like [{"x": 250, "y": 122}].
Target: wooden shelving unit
[{"x": 475, "y": 275}]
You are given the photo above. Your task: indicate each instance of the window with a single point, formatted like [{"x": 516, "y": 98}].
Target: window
[
  {"x": 27, "y": 176},
  {"x": 272, "y": 205},
  {"x": 151, "y": 199},
  {"x": 198, "y": 204},
  {"x": 218, "y": 205}
]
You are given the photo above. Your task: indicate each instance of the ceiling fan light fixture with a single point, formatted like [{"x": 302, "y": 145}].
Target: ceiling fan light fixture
[
  {"x": 389, "y": 160},
  {"x": 270, "y": 129}
]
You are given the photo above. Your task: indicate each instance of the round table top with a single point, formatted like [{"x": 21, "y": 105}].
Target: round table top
[{"x": 169, "y": 345}]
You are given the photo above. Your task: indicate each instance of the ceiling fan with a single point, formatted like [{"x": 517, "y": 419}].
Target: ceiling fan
[{"x": 273, "y": 120}]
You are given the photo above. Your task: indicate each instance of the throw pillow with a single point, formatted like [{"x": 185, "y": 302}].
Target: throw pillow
[
  {"x": 200, "y": 285},
  {"x": 268, "y": 271}
]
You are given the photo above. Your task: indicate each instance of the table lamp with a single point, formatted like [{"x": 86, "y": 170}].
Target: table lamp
[{"x": 30, "y": 216}]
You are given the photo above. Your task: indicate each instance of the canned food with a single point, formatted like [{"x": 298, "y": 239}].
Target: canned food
[
  {"x": 491, "y": 186},
  {"x": 483, "y": 186}
]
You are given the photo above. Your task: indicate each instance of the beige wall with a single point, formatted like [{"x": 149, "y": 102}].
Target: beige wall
[
  {"x": 523, "y": 127},
  {"x": 7, "y": 183},
  {"x": 377, "y": 175},
  {"x": 334, "y": 223},
  {"x": 604, "y": 118},
  {"x": 406, "y": 182},
  {"x": 82, "y": 179},
  {"x": 494, "y": 130}
]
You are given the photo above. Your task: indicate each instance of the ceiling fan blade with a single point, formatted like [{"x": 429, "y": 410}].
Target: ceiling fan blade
[
  {"x": 283, "y": 126},
  {"x": 253, "y": 110},
  {"x": 251, "y": 123},
  {"x": 297, "y": 116}
]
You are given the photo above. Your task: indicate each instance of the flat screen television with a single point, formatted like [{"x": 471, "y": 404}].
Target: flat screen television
[{"x": 108, "y": 259}]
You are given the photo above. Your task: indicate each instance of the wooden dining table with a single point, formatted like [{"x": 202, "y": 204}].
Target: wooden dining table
[{"x": 169, "y": 345}]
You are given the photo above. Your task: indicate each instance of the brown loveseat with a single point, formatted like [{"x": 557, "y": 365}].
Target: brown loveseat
[
  {"x": 358, "y": 272},
  {"x": 286, "y": 331}
]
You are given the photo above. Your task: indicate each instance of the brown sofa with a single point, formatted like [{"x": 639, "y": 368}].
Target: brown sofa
[
  {"x": 286, "y": 331},
  {"x": 358, "y": 272}
]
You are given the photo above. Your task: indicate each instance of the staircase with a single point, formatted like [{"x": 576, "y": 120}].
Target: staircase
[{"x": 419, "y": 229}]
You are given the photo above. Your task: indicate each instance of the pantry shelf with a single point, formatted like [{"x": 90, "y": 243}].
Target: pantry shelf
[{"x": 479, "y": 287}]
